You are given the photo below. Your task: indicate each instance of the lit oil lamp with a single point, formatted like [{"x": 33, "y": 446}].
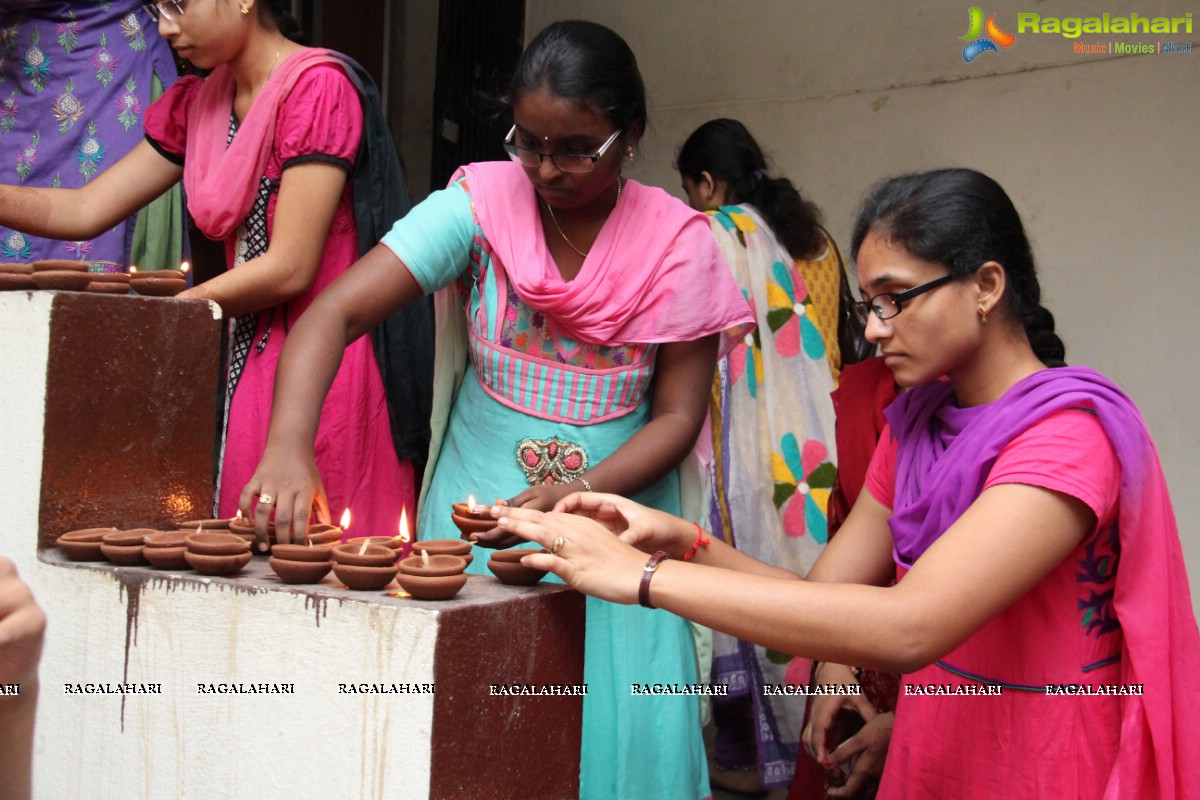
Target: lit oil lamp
[{"x": 470, "y": 518}]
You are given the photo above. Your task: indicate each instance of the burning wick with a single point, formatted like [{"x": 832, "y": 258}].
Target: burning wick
[
  {"x": 345, "y": 521},
  {"x": 470, "y": 504},
  {"x": 184, "y": 267},
  {"x": 425, "y": 559},
  {"x": 402, "y": 534}
]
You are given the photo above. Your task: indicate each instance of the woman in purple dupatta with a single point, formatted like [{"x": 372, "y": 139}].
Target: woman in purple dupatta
[{"x": 1042, "y": 619}]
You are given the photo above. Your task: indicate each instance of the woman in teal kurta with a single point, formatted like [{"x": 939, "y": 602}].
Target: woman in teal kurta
[
  {"x": 593, "y": 308},
  {"x": 538, "y": 407}
]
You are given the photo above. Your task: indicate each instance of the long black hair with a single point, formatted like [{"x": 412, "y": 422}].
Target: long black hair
[
  {"x": 586, "y": 62},
  {"x": 278, "y": 14},
  {"x": 961, "y": 219},
  {"x": 725, "y": 149}
]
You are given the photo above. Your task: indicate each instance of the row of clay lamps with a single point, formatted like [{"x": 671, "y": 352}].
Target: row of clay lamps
[
  {"x": 504, "y": 564},
  {"x": 217, "y": 553},
  {"x": 74, "y": 276}
]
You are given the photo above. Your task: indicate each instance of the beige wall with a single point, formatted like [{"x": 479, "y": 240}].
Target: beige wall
[{"x": 1098, "y": 153}]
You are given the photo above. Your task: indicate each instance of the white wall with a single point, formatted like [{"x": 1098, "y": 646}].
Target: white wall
[{"x": 1099, "y": 154}]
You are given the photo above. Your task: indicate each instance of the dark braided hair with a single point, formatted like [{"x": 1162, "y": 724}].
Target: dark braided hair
[
  {"x": 725, "y": 149},
  {"x": 961, "y": 219},
  {"x": 588, "y": 63},
  {"x": 278, "y": 14}
]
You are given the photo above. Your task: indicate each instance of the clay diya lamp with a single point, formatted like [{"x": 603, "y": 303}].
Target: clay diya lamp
[
  {"x": 158, "y": 282},
  {"x": 471, "y": 519},
  {"x": 238, "y": 525},
  {"x": 207, "y": 524},
  {"x": 357, "y": 555},
  {"x": 65, "y": 280},
  {"x": 16, "y": 276},
  {"x": 166, "y": 549},
  {"x": 427, "y": 577},
  {"x": 60, "y": 265},
  {"x": 324, "y": 534},
  {"x": 395, "y": 543},
  {"x": 217, "y": 553},
  {"x": 298, "y": 563},
  {"x": 83, "y": 545},
  {"x": 444, "y": 547},
  {"x": 108, "y": 283},
  {"x": 507, "y": 567},
  {"x": 125, "y": 547}
]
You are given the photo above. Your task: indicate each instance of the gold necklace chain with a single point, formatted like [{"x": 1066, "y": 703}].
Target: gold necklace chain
[
  {"x": 271, "y": 71},
  {"x": 557, "y": 227}
]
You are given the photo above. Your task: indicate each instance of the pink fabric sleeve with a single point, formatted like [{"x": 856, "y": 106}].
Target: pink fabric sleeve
[
  {"x": 321, "y": 119},
  {"x": 166, "y": 120},
  {"x": 1066, "y": 452},
  {"x": 881, "y": 472}
]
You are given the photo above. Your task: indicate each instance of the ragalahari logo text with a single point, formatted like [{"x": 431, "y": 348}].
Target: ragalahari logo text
[{"x": 980, "y": 36}]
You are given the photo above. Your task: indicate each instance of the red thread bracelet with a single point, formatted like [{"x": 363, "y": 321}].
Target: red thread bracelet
[{"x": 700, "y": 542}]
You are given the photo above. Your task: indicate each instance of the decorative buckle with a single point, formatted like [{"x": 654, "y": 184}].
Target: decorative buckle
[{"x": 551, "y": 460}]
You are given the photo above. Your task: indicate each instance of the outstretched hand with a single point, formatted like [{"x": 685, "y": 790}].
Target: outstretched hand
[
  {"x": 645, "y": 528},
  {"x": 539, "y": 498},
  {"x": 289, "y": 486},
  {"x": 584, "y": 552}
]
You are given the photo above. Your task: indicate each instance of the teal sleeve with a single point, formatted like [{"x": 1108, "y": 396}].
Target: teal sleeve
[{"x": 434, "y": 239}]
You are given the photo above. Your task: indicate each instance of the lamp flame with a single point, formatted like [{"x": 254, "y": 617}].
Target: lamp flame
[
  {"x": 403, "y": 535},
  {"x": 184, "y": 267},
  {"x": 471, "y": 503},
  {"x": 345, "y": 523}
]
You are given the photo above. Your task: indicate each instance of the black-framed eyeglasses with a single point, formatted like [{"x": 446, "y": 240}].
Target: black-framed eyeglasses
[
  {"x": 890, "y": 304},
  {"x": 171, "y": 9},
  {"x": 567, "y": 162}
]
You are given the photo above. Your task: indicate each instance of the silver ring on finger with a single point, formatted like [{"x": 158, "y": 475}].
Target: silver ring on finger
[
  {"x": 558, "y": 544},
  {"x": 266, "y": 499}
]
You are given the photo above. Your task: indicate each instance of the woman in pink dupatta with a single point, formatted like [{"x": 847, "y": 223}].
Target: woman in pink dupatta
[
  {"x": 1042, "y": 618},
  {"x": 264, "y": 146},
  {"x": 593, "y": 310}
]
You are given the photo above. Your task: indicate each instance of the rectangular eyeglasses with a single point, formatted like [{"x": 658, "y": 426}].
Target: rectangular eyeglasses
[
  {"x": 567, "y": 162},
  {"x": 171, "y": 9}
]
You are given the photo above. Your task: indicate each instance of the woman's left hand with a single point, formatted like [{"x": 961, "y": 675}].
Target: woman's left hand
[
  {"x": 539, "y": 498},
  {"x": 585, "y": 554}
]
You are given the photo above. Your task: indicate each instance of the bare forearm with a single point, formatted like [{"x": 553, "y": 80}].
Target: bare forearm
[
  {"x": 51, "y": 213},
  {"x": 864, "y": 625},
  {"x": 251, "y": 287},
  {"x": 650, "y": 454},
  {"x": 84, "y": 213},
  {"x": 17, "y": 715}
]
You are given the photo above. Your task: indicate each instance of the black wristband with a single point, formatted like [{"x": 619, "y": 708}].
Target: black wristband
[{"x": 648, "y": 573}]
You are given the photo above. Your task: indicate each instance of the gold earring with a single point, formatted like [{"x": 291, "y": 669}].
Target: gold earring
[
  {"x": 982, "y": 314},
  {"x": 245, "y": 10},
  {"x": 629, "y": 152}
]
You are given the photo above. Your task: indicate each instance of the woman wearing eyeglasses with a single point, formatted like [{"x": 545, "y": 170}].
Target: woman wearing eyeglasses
[
  {"x": 586, "y": 311},
  {"x": 1042, "y": 617},
  {"x": 265, "y": 146}
]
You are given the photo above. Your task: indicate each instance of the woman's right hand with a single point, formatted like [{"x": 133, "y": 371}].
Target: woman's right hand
[
  {"x": 825, "y": 707},
  {"x": 291, "y": 482},
  {"x": 647, "y": 529}
]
